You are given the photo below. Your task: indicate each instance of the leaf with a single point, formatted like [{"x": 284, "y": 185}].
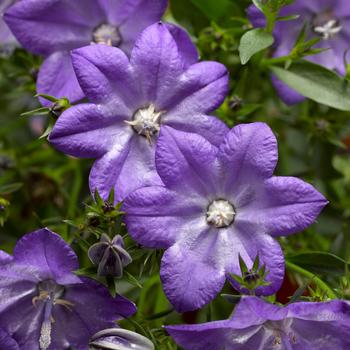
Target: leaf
[
  {"x": 319, "y": 262},
  {"x": 253, "y": 42},
  {"x": 6, "y": 189},
  {"x": 317, "y": 83},
  {"x": 213, "y": 9}
]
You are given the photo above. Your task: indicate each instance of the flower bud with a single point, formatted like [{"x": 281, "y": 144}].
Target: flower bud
[
  {"x": 119, "y": 339},
  {"x": 110, "y": 256}
]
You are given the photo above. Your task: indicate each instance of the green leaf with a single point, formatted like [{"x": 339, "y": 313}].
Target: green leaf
[
  {"x": 213, "y": 9},
  {"x": 319, "y": 262},
  {"x": 253, "y": 42},
  {"x": 317, "y": 83},
  {"x": 6, "y": 189}
]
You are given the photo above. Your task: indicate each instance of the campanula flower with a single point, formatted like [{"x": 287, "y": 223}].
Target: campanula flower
[
  {"x": 44, "y": 305},
  {"x": 52, "y": 28},
  {"x": 328, "y": 20},
  {"x": 217, "y": 204},
  {"x": 258, "y": 325},
  {"x": 161, "y": 84}
]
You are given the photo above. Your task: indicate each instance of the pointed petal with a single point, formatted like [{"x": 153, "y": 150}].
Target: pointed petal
[
  {"x": 105, "y": 75},
  {"x": 155, "y": 216},
  {"x": 89, "y": 131},
  {"x": 191, "y": 272},
  {"x": 157, "y": 63},
  {"x": 200, "y": 89},
  {"x": 188, "y": 159},
  {"x": 128, "y": 166},
  {"x": 49, "y": 253},
  {"x": 285, "y": 205},
  {"x": 248, "y": 154},
  {"x": 70, "y": 24}
]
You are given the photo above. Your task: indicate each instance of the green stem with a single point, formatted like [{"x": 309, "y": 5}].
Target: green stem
[
  {"x": 322, "y": 285},
  {"x": 276, "y": 60}
]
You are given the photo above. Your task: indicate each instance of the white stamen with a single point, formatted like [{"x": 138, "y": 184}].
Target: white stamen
[
  {"x": 329, "y": 29},
  {"x": 221, "y": 213},
  {"x": 146, "y": 121},
  {"x": 45, "y": 335}
]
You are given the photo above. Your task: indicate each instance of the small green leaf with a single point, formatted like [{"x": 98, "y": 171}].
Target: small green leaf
[
  {"x": 242, "y": 264},
  {"x": 320, "y": 263},
  {"x": 10, "y": 188},
  {"x": 317, "y": 83},
  {"x": 253, "y": 42}
]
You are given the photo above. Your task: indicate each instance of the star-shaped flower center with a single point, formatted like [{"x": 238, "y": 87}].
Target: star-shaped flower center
[
  {"x": 282, "y": 333},
  {"x": 221, "y": 213},
  {"x": 146, "y": 121},
  {"x": 326, "y": 25},
  {"x": 107, "y": 34},
  {"x": 50, "y": 293}
]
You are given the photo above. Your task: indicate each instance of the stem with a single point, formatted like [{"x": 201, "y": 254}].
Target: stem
[
  {"x": 276, "y": 60},
  {"x": 322, "y": 285}
]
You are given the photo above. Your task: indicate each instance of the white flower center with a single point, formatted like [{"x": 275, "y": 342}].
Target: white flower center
[
  {"x": 106, "y": 34},
  {"x": 221, "y": 213},
  {"x": 326, "y": 25},
  {"x": 146, "y": 121}
]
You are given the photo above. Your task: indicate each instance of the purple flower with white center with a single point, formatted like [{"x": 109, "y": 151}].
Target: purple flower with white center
[
  {"x": 258, "y": 325},
  {"x": 44, "y": 305},
  {"x": 7, "y": 342},
  {"x": 119, "y": 339},
  {"x": 215, "y": 204},
  {"x": 53, "y": 28},
  {"x": 328, "y": 20},
  {"x": 110, "y": 256},
  {"x": 161, "y": 84}
]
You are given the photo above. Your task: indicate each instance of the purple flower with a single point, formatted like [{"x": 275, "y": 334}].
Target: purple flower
[
  {"x": 44, "y": 305},
  {"x": 119, "y": 339},
  {"x": 256, "y": 324},
  {"x": 327, "y": 19},
  {"x": 7, "y": 342},
  {"x": 161, "y": 84},
  {"x": 110, "y": 256},
  {"x": 215, "y": 204},
  {"x": 54, "y": 27}
]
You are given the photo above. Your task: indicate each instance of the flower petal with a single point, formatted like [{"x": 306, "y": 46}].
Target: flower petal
[
  {"x": 7, "y": 342},
  {"x": 105, "y": 75},
  {"x": 157, "y": 63},
  {"x": 184, "y": 43},
  {"x": 248, "y": 154},
  {"x": 156, "y": 216},
  {"x": 141, "y": 14},
  {"x": 191, "y": 273},
  {"x": 200, "y": 89},
  {"x": 49, "y": 253},
  {"x": 44, "y": 27},
  {"x": 57, "y": 78},
  {"x": 187, "y": 159},
  {"x": 127, "y": 166},
  {"x": 93, "y": 309},
  {"x": 89, "y": 131},
  {"x": 286, "y": 205}
]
